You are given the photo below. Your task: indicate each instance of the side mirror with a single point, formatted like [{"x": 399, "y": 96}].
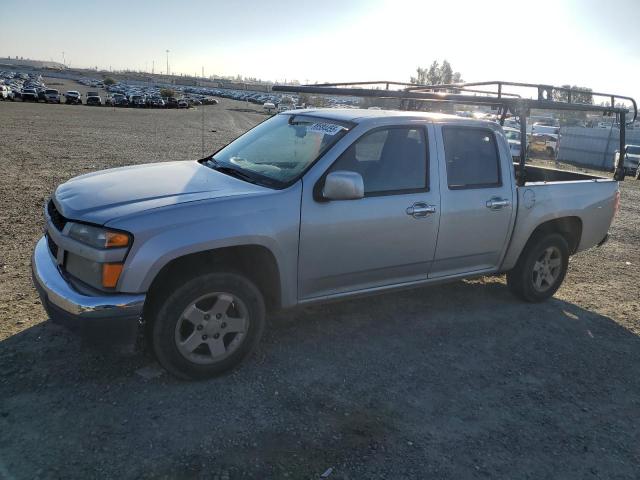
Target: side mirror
[{"x": 343, "y": 185}]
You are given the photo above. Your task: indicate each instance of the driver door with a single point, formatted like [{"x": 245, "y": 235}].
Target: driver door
[{"x": 385, "y": 238}]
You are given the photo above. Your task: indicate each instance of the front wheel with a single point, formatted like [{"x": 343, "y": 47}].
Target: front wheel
[
  {"x": 541, "y": 268},
  {"x": 208, "y": 325}
]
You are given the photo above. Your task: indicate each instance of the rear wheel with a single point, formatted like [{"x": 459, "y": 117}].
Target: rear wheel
[
  {"x": 208, "y": 325},
  {"x": 541, "y": 268}
]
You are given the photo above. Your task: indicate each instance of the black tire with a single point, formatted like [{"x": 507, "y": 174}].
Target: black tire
[
  {"x": 170, "y": 311},
  {"x": 522, "y": 279}
]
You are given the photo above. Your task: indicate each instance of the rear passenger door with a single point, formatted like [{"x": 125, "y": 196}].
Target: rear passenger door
[{"x": 476, "y": 201}]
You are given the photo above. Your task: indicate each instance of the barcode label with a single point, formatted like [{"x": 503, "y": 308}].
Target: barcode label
[{"x": 325, "y": 128}]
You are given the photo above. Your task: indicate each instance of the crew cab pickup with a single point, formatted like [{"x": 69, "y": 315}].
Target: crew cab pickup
[{"x": 309, "y": 206}]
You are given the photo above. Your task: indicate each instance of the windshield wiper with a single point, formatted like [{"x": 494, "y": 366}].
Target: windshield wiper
[
  {"x": 234, "y": 172},
  {"x": 239, "y": 173}
]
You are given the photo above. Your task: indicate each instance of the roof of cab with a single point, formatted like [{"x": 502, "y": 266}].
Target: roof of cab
[{"x": 357, "y": 115}]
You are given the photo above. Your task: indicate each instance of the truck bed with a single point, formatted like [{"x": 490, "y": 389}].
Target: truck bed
[
  {"x": 537, "y": 174},
  {"x": 550, "y": 194}
]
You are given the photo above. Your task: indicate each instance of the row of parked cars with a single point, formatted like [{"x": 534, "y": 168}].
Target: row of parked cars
[
  {"x": 13, "y": 84},
  {"x": 156, "y": 101}
]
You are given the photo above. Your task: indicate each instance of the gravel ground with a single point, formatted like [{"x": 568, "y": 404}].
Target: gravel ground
[{"x": 456, "y": 381}]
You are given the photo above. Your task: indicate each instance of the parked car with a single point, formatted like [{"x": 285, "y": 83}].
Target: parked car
[
  {"x": 29, "y": 95},
  {"x": 631, "y": 160},
  {"x": 183, "y": 103},
  {"x": 137, "y": 101},
  {"x": 41, "y": 95},
  {"x": 513, "y": 138},
  {"x": 51, "y": 95},
  {"x": 119, "y": 100},
  {"x": 73, "y": 97},
  {"x": 308, "y": 207},
  {"x": 269, "y": 107},
  {"x": 545, "y": 143},
  {"x": 172, "y": 102},
  {"x": 5, "y": 93},
  {"x": 157, "y": 102},
  {"x": 93, "y": 98}
]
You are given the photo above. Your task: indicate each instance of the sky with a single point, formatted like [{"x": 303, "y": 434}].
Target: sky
[{"x": 592, "y": 43}]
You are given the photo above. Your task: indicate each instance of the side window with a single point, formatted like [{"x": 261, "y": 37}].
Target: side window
[
  {"x": 389, "y": 160},
  {"x": 472, "y": 157}
]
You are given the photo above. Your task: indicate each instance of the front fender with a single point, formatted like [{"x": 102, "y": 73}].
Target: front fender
[{"x": 160, "y": 236}]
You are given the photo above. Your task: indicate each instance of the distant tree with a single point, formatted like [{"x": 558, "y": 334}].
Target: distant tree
[
  {"x": 167, "y": 92},
  {"x": 436, "y": 74},
  {"x": 579, "y": 95},
  {"x": 109, "y": 81},
  {"x": 313, "y": 100}
]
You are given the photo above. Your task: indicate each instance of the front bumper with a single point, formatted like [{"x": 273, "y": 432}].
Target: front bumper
[{"x": 106, "y": 318}]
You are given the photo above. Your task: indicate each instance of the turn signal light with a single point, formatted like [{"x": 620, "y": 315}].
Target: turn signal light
[
  {"x": 116, "y": 239},
  {"x": 110, "y": 274}
]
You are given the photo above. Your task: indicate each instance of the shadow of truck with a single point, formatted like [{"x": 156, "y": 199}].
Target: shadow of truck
[{"x": 457, "y": 381}]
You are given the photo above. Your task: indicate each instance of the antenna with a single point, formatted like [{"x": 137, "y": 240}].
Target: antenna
[{"x": 202, "y": 129}]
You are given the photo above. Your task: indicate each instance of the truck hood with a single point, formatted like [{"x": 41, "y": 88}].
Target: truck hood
[{"x": 109, "y": 194}]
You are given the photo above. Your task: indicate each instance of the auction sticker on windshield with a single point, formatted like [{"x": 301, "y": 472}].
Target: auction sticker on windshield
[{"x": 326, "y": 128}]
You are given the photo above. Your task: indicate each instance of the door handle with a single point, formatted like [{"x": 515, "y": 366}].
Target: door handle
[
  {"x": 497, "y": 203},
  {"x": 420, "y": 209}
]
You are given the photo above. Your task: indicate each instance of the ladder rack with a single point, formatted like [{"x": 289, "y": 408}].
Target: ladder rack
[{"x": 490, "y": 93}]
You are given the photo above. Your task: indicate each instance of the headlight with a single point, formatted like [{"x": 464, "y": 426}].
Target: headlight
[
  {"x": 98, "y": 237},
  {"x": 104, "y": 275}
]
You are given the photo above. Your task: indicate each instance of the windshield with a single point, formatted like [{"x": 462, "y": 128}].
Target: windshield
[
  {"x": 281, "y": 148},
  {"x": 546, "y": 129},
  {"x": 511, "y": 135},
  {"x": 633, "y": 150}
]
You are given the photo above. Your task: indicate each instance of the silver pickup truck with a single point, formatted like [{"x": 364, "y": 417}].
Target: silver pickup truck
[{"x": 309, "y": 206}]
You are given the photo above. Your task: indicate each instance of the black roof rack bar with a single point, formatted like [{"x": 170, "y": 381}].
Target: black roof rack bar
[
  {"x": 545, "y": 92},
  {"x": 433, "y": 92},
  {"x": 503, "y": 100}
]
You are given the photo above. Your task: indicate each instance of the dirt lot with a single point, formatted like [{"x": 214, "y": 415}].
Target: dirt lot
[{"x": 458, "y": 381}]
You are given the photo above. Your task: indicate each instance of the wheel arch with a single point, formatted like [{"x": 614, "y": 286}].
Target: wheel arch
[
  {"x": 256, "y": 262},
  {"x": 569, "y": 227}
]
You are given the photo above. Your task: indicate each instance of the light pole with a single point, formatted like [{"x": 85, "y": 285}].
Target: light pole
[{"x": 167, "y": 62}]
